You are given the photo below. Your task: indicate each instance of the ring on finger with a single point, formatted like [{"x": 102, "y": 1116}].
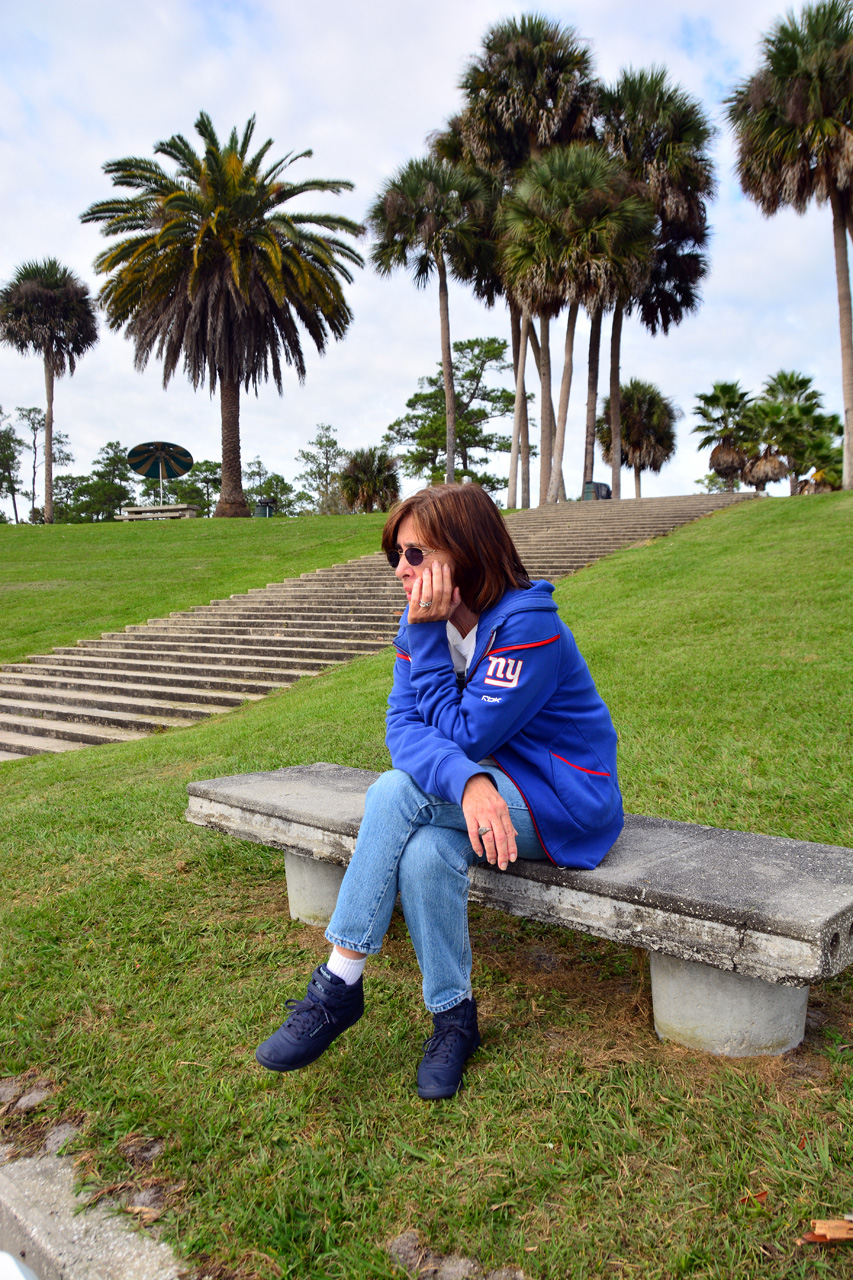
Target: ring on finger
[{"x": 484, "y": 831}]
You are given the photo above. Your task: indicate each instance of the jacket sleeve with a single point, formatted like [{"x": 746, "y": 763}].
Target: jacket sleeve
[
  {"x": 509, "y": 685},
  {"x": 436, "y": 764}
]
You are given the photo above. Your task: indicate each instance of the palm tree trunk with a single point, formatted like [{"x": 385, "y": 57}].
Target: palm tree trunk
[
  {"x": 525, "y": 427},
  {"x": 519, "y": 344},
  {"x": 534, "y": 346},
  {"x": 546, "y": 434},
  {"x": 615, "y": 405},
  {"x": 557, "y": 488},
  {"x": 637, "y": 493},
  {"x": 592, "y": 394},
  {"x": 232, "y": 501},
  {"x": 845, "y": 320},
  {"x": 524, "y": 451},
  {"x": 447, "y": 370},
  {"x": 48, "y": 442}
]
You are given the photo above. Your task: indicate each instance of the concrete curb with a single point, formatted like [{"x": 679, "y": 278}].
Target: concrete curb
[{"x": 41, "y": 1224}]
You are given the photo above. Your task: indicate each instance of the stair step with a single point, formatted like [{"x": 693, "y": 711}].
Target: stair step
[
  {"x": 162, "y": 658},
  {"x": 172, "y": 679},
  {"x": 169, "y": 641},
  {"x": 69, "y": 713},
  {"x": 204, "y": 701},
  {"x": 14, "y": 745},
  {"x": 59, "y": 729},
  {"x": 93, "y": 703}
]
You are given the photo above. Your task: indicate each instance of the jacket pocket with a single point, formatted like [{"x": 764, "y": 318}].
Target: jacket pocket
[{"x": 590, "y": 795}]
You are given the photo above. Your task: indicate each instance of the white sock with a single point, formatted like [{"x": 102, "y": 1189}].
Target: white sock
[{"x": 343, "y": 967}]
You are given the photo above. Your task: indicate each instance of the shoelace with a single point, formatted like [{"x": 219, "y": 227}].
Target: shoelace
[
  {"x": 316, "y": 1014},
  {"x": 436, "y": 1046}
]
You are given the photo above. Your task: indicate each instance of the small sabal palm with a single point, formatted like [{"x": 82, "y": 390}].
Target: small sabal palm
[
  {"x": 791, "y": 421},
  {"x": 648, "y": 421},
  {"x": 726, "y": 428},
  {"x": 46, "y": 309},
  {"x": 792, "y": 121},
  {"x": 209, "y": 270},
  {"x": 369, "y": 479},
  {"x": 427, "y": 218}
]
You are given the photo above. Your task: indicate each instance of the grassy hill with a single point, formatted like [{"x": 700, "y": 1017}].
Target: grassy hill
[
  {"x": 63, "y": 583},
  {"x": 144, "y": 958}
]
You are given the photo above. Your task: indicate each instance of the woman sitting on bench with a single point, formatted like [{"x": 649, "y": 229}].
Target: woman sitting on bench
[{"x": 502, "y": 749}]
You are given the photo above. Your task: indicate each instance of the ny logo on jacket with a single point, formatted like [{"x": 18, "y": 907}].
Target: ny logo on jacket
[{"x": 503, "y": 672}]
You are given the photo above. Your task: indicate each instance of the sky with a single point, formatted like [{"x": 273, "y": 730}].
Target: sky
[{"x": 362, "y": 86}]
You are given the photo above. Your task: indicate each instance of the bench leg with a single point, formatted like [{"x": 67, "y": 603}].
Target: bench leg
[
  {"x": 312, "y": 888},
  {"x": 722, "y": 1012}
]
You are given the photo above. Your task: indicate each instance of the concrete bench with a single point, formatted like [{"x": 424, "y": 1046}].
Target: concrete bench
[
  {"x": 737, "y": 925},
  {"x": 181, "y": 511}
]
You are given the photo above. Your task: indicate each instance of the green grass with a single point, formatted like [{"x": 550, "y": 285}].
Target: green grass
[
  {"x": 143, "y": 959},
  {"x": 63, "y": 583}
]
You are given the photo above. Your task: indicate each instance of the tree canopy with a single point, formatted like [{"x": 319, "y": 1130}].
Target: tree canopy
[{"x": 209, "y": 270}]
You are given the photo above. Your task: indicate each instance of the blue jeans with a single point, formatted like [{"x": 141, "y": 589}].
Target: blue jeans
[{"x": 417, "y": 845}]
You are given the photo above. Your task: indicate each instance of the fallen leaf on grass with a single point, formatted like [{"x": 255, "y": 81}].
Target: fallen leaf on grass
[{"x": 751, "y": 1195}]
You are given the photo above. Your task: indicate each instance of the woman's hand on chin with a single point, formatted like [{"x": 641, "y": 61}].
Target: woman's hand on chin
[
  {"x": 486, "y": 811},
  {"x": 434, "y": 588}
]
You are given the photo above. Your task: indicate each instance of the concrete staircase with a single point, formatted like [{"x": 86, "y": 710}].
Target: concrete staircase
[{"x": 174, "y": 671}]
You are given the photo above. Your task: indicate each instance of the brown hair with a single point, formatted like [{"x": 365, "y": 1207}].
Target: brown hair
[{"x": 462, "y": 520}]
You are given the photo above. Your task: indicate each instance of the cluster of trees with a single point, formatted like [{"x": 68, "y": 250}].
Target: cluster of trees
[
  {"x": 422, "y": 432},
  {"x": 782, "y": 432},
  {"x": 793, "y": 122},
  {"x": 553, "y": 191},
  {"x": 337, "y": 481},
  {"x": 548, "y": 189},
  {"x": 333, "y": 481},
  {"x": 12, "y": 447}
]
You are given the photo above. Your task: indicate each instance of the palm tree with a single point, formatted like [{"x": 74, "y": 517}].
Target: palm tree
[
  {"x": 530, "y": 88},
  {"x": 574, "y": 233},
  {"x": 47, "y": 310},
  {"x": 427, "y": 218},
  {"x": 647, "y": 420},
  {"x": 790, "y": 418},
  {"x": 661, "y": 135},
  {"x": 209, "y": 269},
  {"x": 726, "y": 425},
  {"x": 369, "y": 479},
  {"x": 483, "y": 272},
  {"x": 792, "y": 120}
]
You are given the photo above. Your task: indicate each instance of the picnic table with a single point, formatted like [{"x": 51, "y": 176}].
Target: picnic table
[{"x": 180, "y": 511}]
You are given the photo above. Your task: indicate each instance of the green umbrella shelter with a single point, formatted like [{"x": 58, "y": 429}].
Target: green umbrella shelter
[{"x": 160, "y": 460}]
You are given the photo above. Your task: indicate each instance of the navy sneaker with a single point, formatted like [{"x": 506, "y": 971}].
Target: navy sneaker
[
  {"x": 455, "y": 1037},
  {"x": 329, "y": 1007}
]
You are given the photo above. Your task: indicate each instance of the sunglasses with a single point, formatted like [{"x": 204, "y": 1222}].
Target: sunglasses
[{"x": 414, "y": 555}]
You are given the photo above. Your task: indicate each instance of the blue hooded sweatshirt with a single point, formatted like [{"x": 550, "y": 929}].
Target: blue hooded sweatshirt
[{"x": 529, "y": 702}]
